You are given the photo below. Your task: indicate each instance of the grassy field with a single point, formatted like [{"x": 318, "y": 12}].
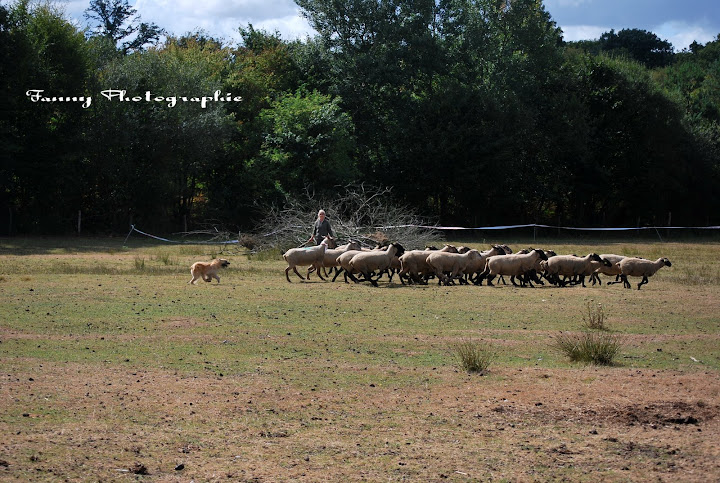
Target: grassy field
[{"x": 113, "y": 367}]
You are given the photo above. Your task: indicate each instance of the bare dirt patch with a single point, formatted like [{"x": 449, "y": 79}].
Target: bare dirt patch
[{"x": 69, "y": 420}]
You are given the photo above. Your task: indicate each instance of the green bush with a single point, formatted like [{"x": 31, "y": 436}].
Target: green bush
[
  {"x": 589, "y": 347},
  {"x": 139, "y": 263},
  {"x": 473, "y": 356}
]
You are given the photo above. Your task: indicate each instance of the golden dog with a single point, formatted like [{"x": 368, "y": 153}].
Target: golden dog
[{"x": 207, "y": 271}]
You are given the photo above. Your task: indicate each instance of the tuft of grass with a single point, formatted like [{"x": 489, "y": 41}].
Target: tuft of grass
[
  {"x": 139, "y": 263},
  {"x": 165, "y": 258},
  {"x": 594, "y": 318},
  {"x": 266, "y": 255},
  {"x": 589, "y": 347},
  {"x": 473, "y": 356}
]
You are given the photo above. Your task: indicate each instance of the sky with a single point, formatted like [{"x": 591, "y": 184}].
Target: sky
[{"x": 679, "y": 21}]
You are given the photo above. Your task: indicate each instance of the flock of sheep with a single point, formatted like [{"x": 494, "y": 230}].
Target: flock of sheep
[{"x": 466, "y": 265}]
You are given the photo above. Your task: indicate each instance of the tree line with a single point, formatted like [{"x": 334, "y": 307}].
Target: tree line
[{"x": 475, "y": 112}]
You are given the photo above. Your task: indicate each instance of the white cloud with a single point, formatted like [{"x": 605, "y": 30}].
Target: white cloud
[
  {"x": 583, "y": 32},
  {"x": 682, "y": 34},
  {"x": 221, "y": 18}
]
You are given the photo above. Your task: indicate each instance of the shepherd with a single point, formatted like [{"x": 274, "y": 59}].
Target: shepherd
[{"x": 321, "y": 229}]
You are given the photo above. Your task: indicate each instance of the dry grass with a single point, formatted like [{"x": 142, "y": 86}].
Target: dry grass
[
  {"x": 594, "y": 318},
  {"x": 109, "y": 371}
]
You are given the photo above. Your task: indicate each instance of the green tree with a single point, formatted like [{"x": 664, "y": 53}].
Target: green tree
[
  {"x": 308, "y": 143},
  {"x": 151, "y": 158},
  {"x": 116, "y": 20},
  {"x": 42, "y": 166},
  {"x": 262, "y": 70},
  {"x": 640, "y": 45}
]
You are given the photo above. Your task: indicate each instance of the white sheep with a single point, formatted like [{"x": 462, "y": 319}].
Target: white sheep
[
  {"x": 613, "y": 269},
  {"x": 514, "y": 265},
  {"x": 331, "y": 255},
  {"x": 413, "y": 265},
  {"x": 344, "y": 267},
  {"x": 368, "y": 263},
  {"x": 454, "y": 263},
  {"x": 639, "y": 267},
  {"x": 571, "y": 266},
  {"x": 303, "y": 257},
  {"x": 475, "y": 267}
]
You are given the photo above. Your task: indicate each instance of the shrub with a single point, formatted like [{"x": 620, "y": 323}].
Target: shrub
[
  {"x": 165, "y": 258},
  {"x": 589, "y": 347},
  {"x": 595, "y": 317},
  {"x": 473, "y": 356}
]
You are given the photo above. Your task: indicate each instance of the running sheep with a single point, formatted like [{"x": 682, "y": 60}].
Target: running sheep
[
  {"x": 639, "y": 267},
  {"x": 311, "y": 257},
  {"x": 571, "y": 266},
  {"x": 456, "y": 264},
  {"x": 376, "y": 260},
  {"x": 515, "y": 265}
]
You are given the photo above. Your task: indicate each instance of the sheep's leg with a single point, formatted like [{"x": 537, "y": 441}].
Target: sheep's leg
[
  {"x": 532, "y": 276},
  {"x": 368, "y": 277},
  {"x": 582, "y": 280},
  {"x": 643, "y": 281},
  {"x": 449, "y": 279},
  {"x": 317, "y": 269},
  {"x": 528, "y": 279},
  {"x": 337, "y": 272},
  {"x": 347, "y": 274},
  {"x": 461, "y": 278},
  {"x": 490, "y": 279},
  {"x": 625, "y": 282},
  {"x": 287, "y": 275},
  {"x": 298, "y": 273}
]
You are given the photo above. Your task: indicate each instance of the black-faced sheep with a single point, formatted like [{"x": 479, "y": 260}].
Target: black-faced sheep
[
  {"x": 456, "y": 264},
  {"x": 368, "y": 263},
  {"x": 571, "y": 266},
  {"x": 515, "y": 265},
  {"x": 639, "y": 267}
]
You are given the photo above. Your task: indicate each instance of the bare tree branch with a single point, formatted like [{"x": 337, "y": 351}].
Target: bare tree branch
[{"x": 365, "y": 214}]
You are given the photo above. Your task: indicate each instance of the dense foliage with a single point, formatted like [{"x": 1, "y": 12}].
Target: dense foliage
[{"x": 474, "y": 111}]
